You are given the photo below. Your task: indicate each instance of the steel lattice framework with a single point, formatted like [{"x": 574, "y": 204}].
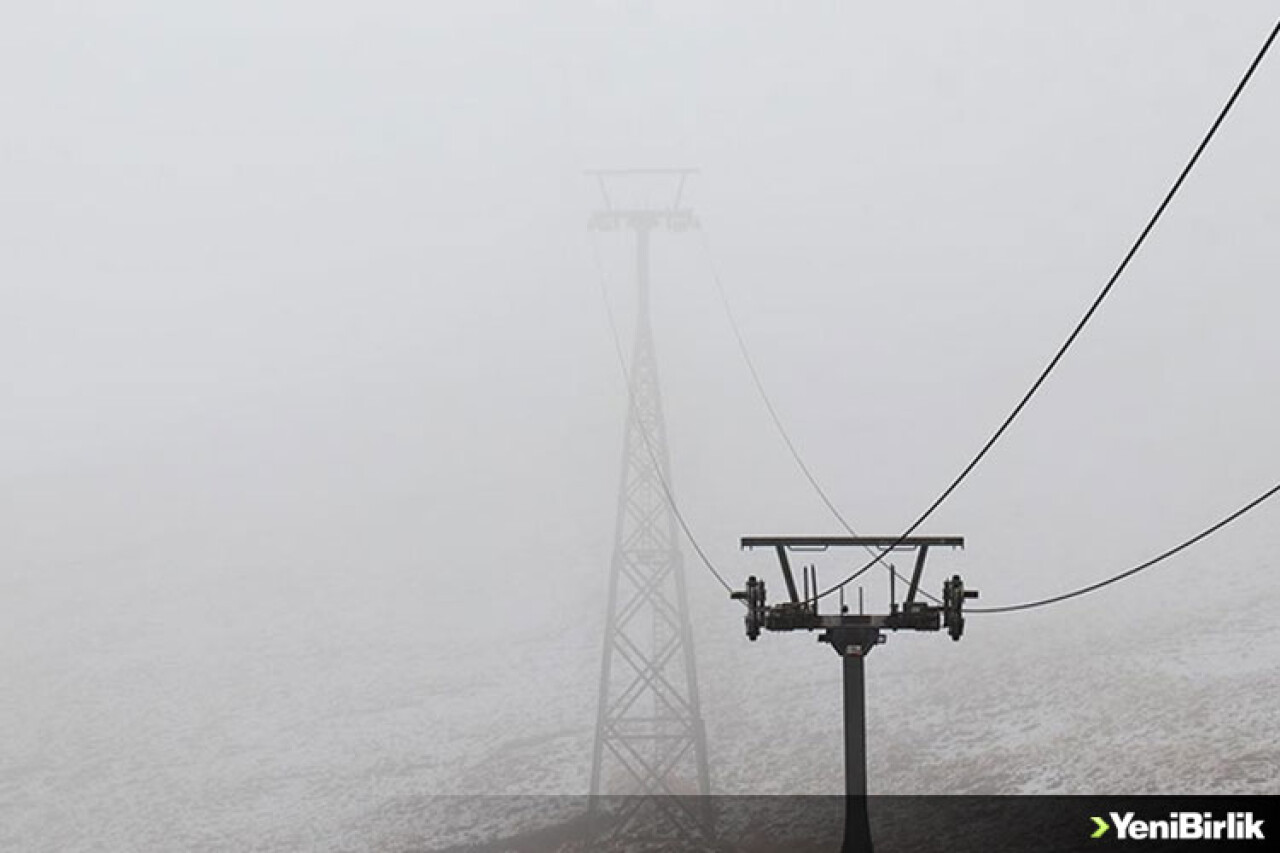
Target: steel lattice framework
[{"x": 650, "y": 739}]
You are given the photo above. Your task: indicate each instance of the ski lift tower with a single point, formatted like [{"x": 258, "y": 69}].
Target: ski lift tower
[
  {"x": 853, "y": 636},
  {"x": 650, "y": 738}
]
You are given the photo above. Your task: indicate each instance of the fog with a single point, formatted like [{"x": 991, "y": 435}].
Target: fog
[{"x": 312, "y": 415}]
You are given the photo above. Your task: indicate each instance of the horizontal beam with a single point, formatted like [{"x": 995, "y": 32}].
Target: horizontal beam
[
  {"x": 786, "y": 618},
  {"x": 822, "y": 542}
]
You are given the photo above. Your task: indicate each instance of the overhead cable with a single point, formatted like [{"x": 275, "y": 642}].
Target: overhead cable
[
  {"x": 644, "y": 433},
  {"x": 1097, "y": 302},
  {"x": 1154, "y": 561},
  {"x": 777, "y": 419}
]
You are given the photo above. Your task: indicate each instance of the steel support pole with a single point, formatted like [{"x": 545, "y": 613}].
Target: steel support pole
[{"x": 857, "y": 824}]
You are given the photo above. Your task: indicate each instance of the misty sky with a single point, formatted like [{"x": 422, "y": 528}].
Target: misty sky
[
  {"x": 302, "y": 340},
  {"x": 269, "y": 266}
]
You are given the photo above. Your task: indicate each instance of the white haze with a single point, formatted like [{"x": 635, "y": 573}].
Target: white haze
[{"x": 311, "y": 415}]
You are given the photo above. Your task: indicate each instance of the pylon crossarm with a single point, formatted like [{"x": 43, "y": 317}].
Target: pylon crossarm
[
  {"x": 801, "y": 611},
  {"x": 822, "y": 543},
  {"x": 787, "y": 617}
]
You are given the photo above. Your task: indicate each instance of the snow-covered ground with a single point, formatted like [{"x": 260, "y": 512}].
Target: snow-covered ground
[{"x": 275, "y": 729}]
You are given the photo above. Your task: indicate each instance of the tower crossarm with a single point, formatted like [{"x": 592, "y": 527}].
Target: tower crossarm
[{"x": 802, "y": 613}]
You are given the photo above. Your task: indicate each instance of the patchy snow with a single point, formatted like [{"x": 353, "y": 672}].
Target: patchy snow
[{"x": 220, "y": 735}]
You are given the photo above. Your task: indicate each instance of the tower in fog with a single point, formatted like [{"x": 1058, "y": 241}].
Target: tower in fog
[{"x": 650, "y": 737}]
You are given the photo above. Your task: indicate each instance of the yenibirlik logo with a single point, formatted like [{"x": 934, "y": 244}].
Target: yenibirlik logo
[{"x": 1183, "y": 826}]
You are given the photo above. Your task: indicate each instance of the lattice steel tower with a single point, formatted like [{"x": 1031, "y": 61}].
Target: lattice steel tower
[{"x": 650, "y": 737}]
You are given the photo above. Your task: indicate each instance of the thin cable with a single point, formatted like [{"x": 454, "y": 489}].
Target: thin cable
[
  {"x": 1204, "y": 534},
  {"x": 764, "y": 395},
  {"x": 644, "y": 434},
  {"x": 777, "y": 419},
  {"x": 1097, "y": 302}
]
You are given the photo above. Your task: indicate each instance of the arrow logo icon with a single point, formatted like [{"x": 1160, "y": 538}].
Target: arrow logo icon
[{"x": 1103, "y": 826}]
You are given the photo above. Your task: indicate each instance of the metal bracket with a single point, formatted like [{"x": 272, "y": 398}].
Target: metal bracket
[{"x": 845, "y": 630}]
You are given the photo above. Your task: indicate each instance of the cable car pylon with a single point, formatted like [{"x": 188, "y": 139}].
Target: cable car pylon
[{"x": 853, "y": 636}]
